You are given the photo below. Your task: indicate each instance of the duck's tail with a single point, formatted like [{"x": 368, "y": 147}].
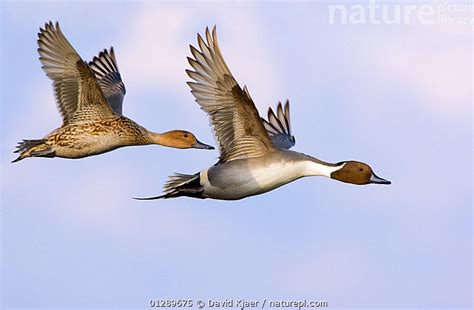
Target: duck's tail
[
  {"x": 36, "y": 148},
  {"x": 181, "y": 185}
]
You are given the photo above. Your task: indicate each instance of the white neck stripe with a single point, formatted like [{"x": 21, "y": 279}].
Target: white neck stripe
[{"x": 317, "y": 169}]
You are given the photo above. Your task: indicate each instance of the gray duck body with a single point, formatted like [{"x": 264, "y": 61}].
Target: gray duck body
[
  {"x": 253, "y": 151},
  {"x": 252, "y": 176}
]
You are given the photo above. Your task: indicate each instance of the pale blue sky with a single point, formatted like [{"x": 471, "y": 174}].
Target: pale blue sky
[{"x": 398, "y": 97}]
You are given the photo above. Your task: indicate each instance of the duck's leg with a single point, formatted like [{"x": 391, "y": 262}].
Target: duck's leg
[{"x": 33, "y": 148}]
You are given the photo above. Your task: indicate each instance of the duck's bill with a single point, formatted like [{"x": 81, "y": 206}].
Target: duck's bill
[
  {"x": 378, "y": 180},
  {"x": 200, "y": 145}
]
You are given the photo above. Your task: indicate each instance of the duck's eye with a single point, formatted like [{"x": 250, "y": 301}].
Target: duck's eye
[
  {"x": 361, "y": 169},
  {"x": 185, "y": 135}
]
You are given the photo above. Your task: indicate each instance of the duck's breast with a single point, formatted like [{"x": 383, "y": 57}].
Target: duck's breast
[{"x": 86, "y": 139}]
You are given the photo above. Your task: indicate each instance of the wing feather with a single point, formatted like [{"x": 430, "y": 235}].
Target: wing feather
[
  {"x": 74, "y": 89},
  {"x": 278, "y": 127},
  {"x": 237, "y": 126},
  {"x": 107, "y": 73},
  {"x": 58, "y": 59}
]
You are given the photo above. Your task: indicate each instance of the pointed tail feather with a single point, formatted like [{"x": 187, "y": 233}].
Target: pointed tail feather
[
  {"x": 27, "y": 144},
  {"x": 28, "y": 148},
  {"x": 150, "y": 198},
  {"x": 17, "y": 159},
  {"x": 180, "y": 185}
]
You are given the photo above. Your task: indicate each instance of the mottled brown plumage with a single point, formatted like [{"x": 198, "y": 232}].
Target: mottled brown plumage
[{"x": 92, "y": 122}]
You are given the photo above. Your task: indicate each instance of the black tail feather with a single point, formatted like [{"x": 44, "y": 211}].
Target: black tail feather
[
  {"x": 150, "y": 198},
  {"x": 180, "y": 185},
  {"x": 17, "y": 159}
]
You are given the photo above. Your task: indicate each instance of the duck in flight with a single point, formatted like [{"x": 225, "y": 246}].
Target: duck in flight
[
  {"x": 89, "y": 98},
  {"x": 254, "y": 153}
]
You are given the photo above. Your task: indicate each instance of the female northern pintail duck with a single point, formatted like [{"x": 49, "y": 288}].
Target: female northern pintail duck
[
  {"x": 89, "y": 98},
  {"x": 254, "y": 155}
]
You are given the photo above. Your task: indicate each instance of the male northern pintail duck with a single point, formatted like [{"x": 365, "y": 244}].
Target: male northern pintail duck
[
  {"x": 254, "y": 155},
  {"x": 89, "y": 98}
]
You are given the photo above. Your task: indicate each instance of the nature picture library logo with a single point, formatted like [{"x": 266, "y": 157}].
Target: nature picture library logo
[{"x": 374, "y": 12}]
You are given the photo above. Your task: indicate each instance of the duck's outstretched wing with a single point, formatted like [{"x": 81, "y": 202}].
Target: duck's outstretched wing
[
  {"x": 107, "y": 73},
  {"x": 279, "y": 128},
  {"x": 237, "y": 125},
  {"x": 76, "y": 89}
]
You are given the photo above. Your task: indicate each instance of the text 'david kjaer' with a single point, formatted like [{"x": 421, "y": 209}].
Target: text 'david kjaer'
[{"x": 235, "y": 303}]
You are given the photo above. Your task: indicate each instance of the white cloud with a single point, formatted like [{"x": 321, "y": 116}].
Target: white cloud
[
  {"x": 154, "y": 54},
  {"x": 152, "y": 59},
  {"x": 435, "y": 69},
  {"x": 157, "y": 44}
]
